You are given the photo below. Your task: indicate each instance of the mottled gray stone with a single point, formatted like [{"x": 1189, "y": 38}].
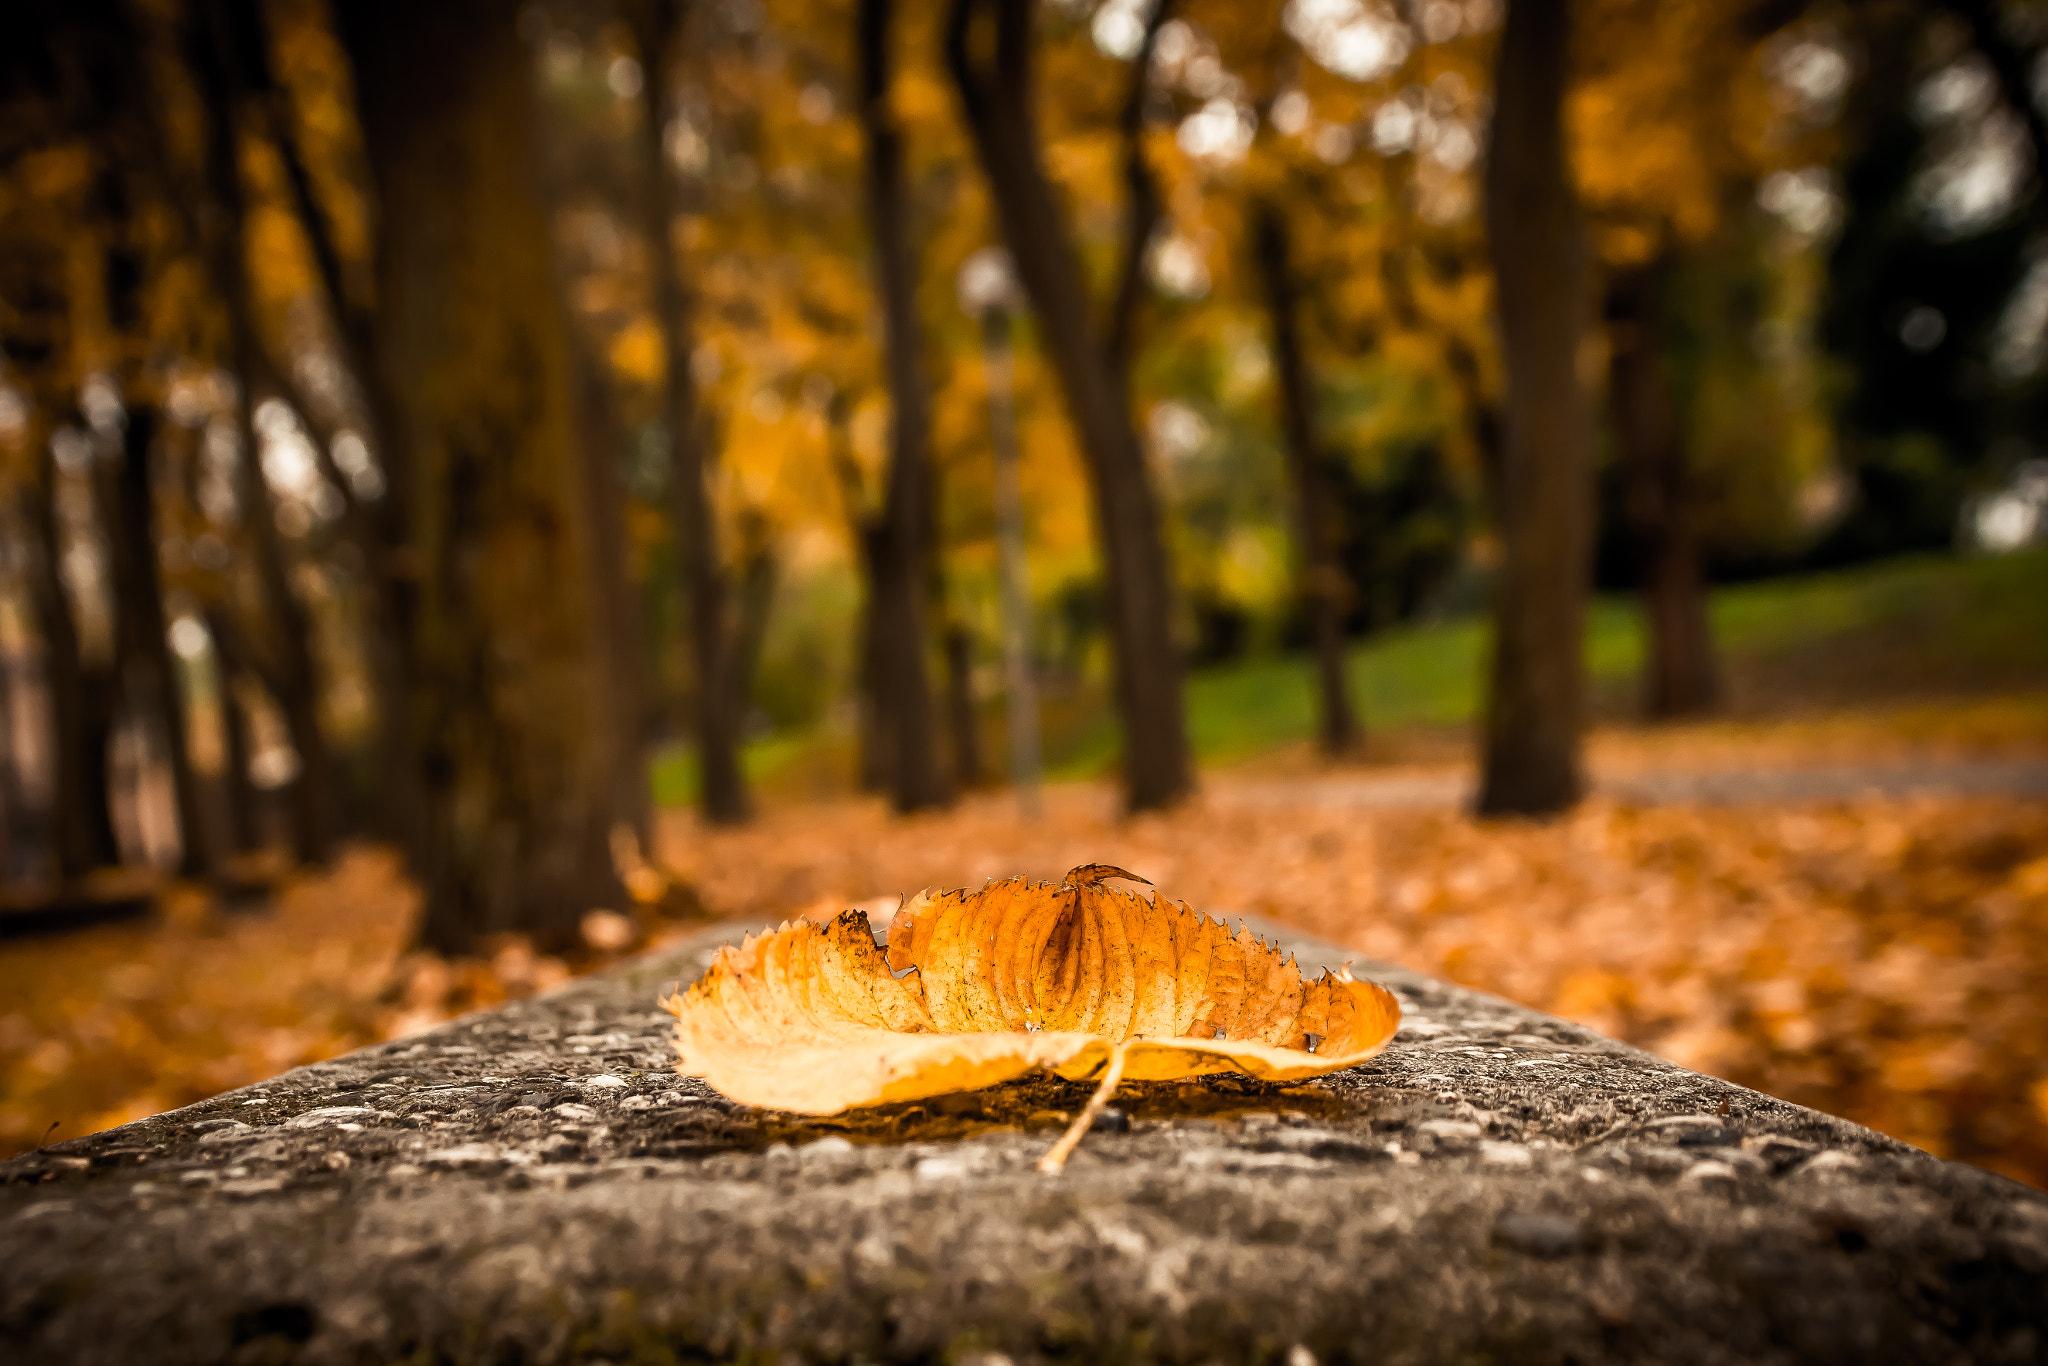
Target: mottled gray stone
[{"x": 533, "y": 1184}]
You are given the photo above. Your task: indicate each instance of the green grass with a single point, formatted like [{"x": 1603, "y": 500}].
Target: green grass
[
  {"x": 1986, "y": 615},
  {"x": 674, "y": 769},
  {"x": 1416, "y": 677},
  {"x": 1959, "y": 618},
  {"x": 1989, "y": 613}
]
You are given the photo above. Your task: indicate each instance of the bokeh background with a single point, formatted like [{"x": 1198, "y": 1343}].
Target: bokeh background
[{"x": 1550, "y": 492}]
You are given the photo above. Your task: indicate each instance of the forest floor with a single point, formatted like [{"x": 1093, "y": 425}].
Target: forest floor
[{"x": 1856, "y": 918}]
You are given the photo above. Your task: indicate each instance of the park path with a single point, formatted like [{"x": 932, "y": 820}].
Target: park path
[{"x": 1421, "y": 789}]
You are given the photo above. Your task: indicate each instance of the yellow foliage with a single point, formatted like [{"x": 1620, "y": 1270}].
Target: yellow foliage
[
  {"x": 637, "y": 351},
  {"x": 1671, "y": 120}
]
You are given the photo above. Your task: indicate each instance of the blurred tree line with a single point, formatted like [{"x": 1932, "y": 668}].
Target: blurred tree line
[{"x": 412, "y": 414}]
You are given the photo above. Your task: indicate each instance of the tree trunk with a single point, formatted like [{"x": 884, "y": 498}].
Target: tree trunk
[
  {"x": 871, "y": 721},
  {"x": 902, "y": 568},
  {"x": 873, "y": 749},
  {"x": 379, "y": 529},
  {"x": 295, "y": 680},
  {"x": 123, "y": 478},
  {"x": 960, "y": 707},
  {"x": 1679, "y": 676},
  {"x": 1012, "y": 566},
  {"x": 127, "y": 505},
  {"x": 1535, "y": 701},
  {"x": 723, "y": 785},
  {"x": 244, "y": 830},
  {"x": 998, "y": 107},
  {"x": 95, "y": 49},
  {"x": 1325, "y": 587},
  {"x": 877, "y": 714},
  {"x": 754, "y": 600},
  {"x": 80, "y": 692},
  {"x": 617, "y": 600},
  {"x": 506, "y": 700},
  {"x": 16, "y": 832}
]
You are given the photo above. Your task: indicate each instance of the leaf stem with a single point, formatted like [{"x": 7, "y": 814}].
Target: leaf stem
[{"x": 1056, "y": 1156}]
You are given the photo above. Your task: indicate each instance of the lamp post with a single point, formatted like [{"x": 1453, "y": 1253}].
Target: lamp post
[{"x": 988, "y": 290}]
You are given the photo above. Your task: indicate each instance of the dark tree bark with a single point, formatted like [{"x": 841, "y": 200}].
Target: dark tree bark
[
  {"x": 124, "y": 486},
  {"x": 82, "y": 61},
  {"x": 379, "y": 529},
  {"x": 996, "y": 96},
  {"x": 99, "y": 708},
  {"x": 723, "y": 785},
  {"x": 1679, "y": 676},
  {"x": 123, "y": 470},
  {"x": 960, "y": 707},
  {"x": 127, "y": 505},
  {"x": 1019, "y": 681},
  {"x": 474, "y": 353},
  {"x": 244, "y": 831},
  {"x": 873, "y": 761},
  {"x": 387, "y": 605},
  {"x": 1325, "y": 588},
  {"x": 16, "y": 831},
  {"x": 904, "y": 551},
  {"x": 616, "y": 599},
  {"x": 80, "y": 692},
  {"x": 874, "y": 751},
  {"x": 221, "y": 54},
  {"x": 754, "y": 600},
  {"x": 1543, "y": 508}
]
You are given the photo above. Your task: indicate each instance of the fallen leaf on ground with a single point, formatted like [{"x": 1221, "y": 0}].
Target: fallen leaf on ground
[{"x": 1079, "y": 978}]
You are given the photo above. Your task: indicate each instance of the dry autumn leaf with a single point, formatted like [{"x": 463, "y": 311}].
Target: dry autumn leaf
[{"x": 977, "y": 988}]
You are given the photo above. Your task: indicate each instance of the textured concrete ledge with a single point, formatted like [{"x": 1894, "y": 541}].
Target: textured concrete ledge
[{"x": 533, "y": 1185}]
